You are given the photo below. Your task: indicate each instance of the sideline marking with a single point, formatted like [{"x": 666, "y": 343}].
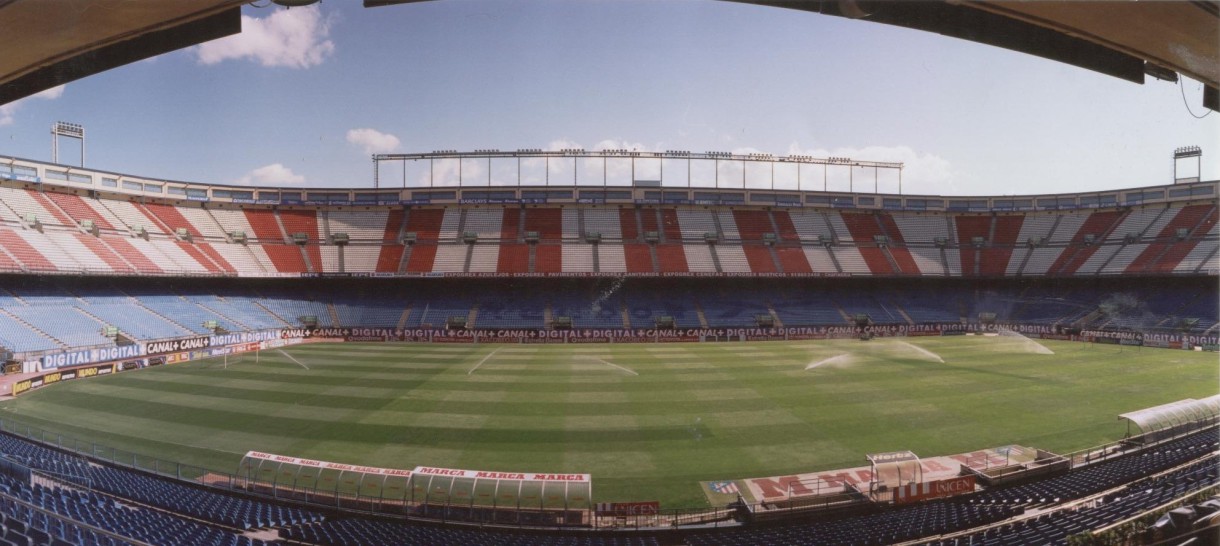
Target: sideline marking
[
  {"x": 630, "y": 371},
  {"x": 289, "y": 357},
  {"x": 476, "y": 366}
]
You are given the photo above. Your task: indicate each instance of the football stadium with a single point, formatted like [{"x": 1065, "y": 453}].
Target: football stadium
[{"x": 609, "y": 346}]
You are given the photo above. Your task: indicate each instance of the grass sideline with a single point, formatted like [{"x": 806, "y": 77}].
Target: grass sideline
[{"x": 694, "y": 411}]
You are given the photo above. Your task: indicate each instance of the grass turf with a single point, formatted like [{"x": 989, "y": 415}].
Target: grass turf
[{"x": 694, "y": 411}]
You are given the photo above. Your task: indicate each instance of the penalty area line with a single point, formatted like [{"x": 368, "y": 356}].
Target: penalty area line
[
  {"x": 628, "y": 370},
  {"x": 289, "y": 357},
  {"x": 476, "y": 366}
]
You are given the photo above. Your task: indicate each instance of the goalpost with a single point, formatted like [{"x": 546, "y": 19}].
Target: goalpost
[{"x": 238, "y": 358}]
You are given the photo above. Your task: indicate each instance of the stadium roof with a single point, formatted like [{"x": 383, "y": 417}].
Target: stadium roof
[
  {"x": 51, "y": 42},
  {"x": 48, "y": 43},
  {"x": 1118, "y": 38}
]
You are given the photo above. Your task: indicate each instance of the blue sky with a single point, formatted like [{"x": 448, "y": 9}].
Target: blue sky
[{"x": 303, "y": 96}]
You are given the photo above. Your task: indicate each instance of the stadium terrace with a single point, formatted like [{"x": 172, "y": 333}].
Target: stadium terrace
[{"x": 108, "y": 274}]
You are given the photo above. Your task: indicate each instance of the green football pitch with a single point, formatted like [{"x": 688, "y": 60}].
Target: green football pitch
[{"x": 648, "y": 421}]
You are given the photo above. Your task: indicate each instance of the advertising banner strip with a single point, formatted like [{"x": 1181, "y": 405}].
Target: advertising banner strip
[
  {"x": 524, "y": 476},
  {"x": 89, "y": 356},
  {"x": 326, "y": 464},
  {"x": 626, "y": 509},
  {"x": 177, "y": 345},
  {"x": 51, "y": 378},
  {"x": 935, "y": 489},
  {"x": 592, "y": 335}
]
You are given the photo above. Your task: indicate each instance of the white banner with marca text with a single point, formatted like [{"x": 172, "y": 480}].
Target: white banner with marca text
[
  {"x": 326, "y": 465},
  {"x": 525, "y": 476}
]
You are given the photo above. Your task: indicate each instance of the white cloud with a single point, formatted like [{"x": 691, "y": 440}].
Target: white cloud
[
  {"x": 445, "y": 172},
  {"x": 612, "y": 144},
  {"x": 922, "y": 172},
  {"x": 372, "y": 141},
  {"x": 7, "y": 111},
  {"x": 50, "y": 94},
  {"x": 591, "y": 170},
  {"x": 562, "y": 144},
  {"x": 746, "y": 150},
  {"x": 295, "y": 38},
  {"x": 605, "y": 144},
  {"x": 274, "y": 174}
]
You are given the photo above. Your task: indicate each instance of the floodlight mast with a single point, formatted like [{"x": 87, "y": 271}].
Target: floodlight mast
[
  {"x": 66, "y": 130},
  {"x": 576, "y": 154},
  {"x": 1187, "y": 152}
]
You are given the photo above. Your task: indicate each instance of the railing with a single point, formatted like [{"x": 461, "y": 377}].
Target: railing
[
  {"x": 98, "y": 271},
  {"x": 106, "y": 454},
  {"x": 1137, "y": 442}
]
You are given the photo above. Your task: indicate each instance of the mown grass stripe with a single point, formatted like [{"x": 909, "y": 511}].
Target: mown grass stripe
[{"x": 694, "y": 412}]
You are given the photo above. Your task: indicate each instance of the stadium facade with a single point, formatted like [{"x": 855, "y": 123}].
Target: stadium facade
[{"x": 97, "y": 229}]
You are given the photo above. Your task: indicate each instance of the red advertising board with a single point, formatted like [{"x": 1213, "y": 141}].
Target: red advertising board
[
  {"x": 936, "y": 489},
  {"x": 642, "y": 508}
]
